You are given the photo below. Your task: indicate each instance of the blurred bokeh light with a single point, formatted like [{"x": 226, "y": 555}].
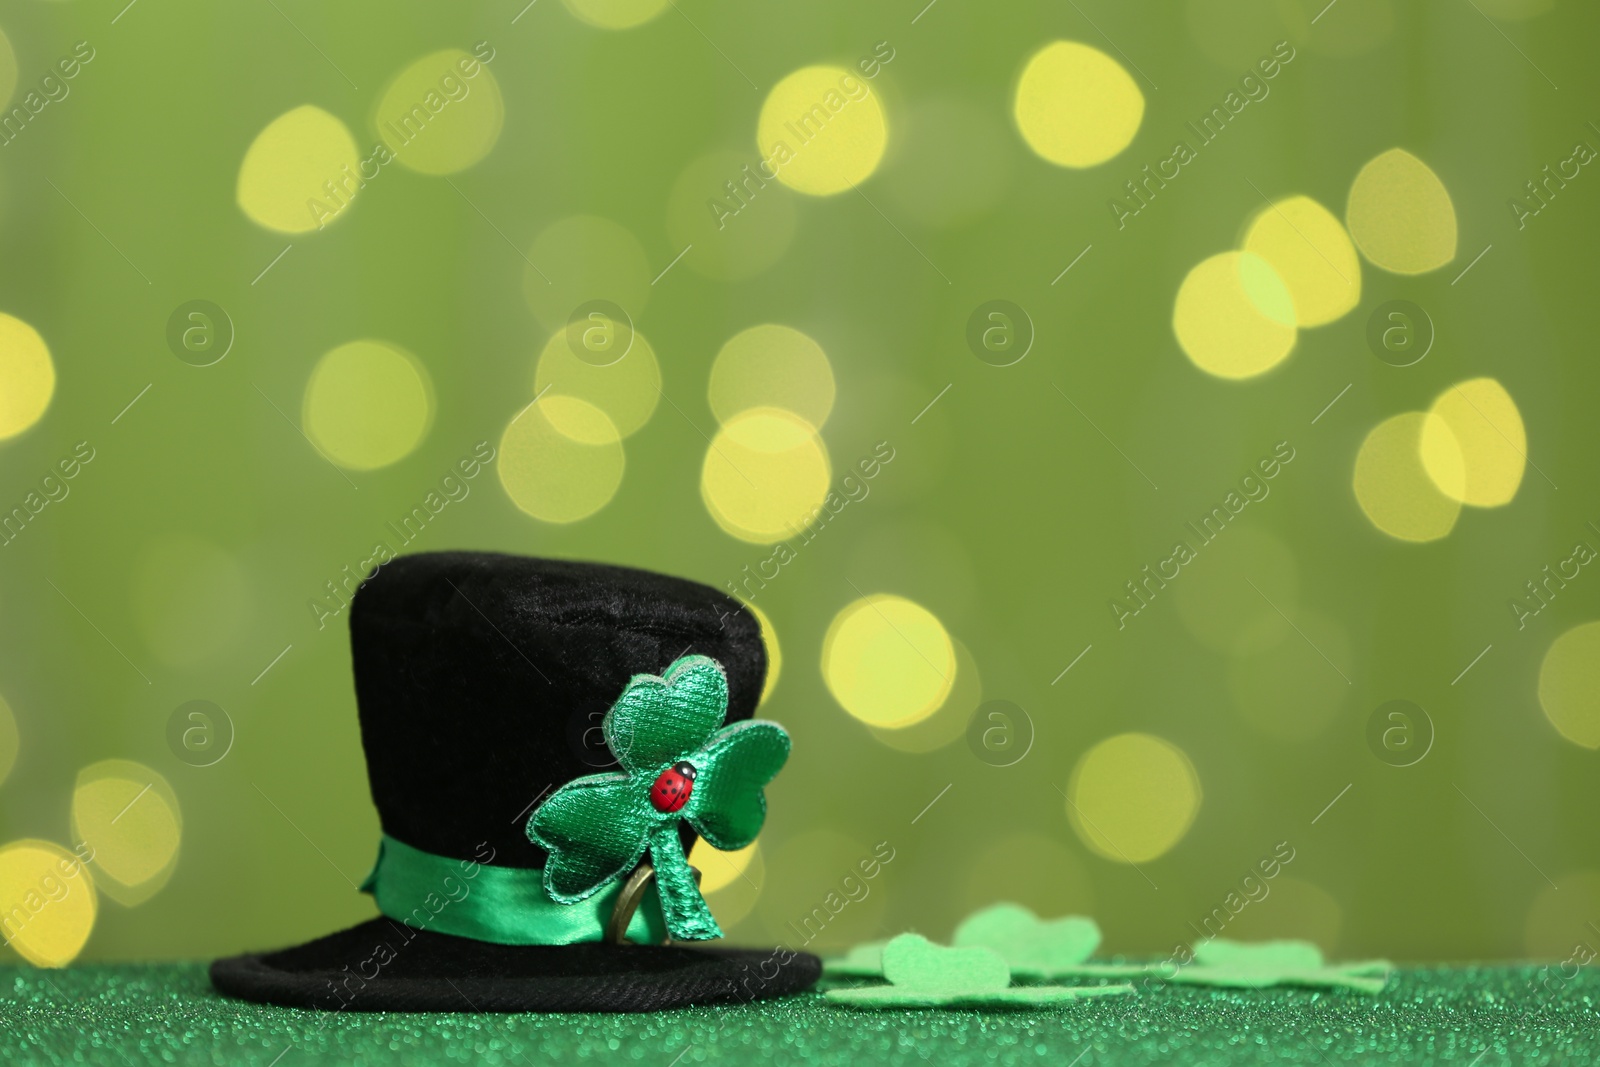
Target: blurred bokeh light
[
  {"x": 127, "y": 818},
  {"x": 1076, "y": 106},
  {"x": 1234, "y": 316},
  {"x": 1399, "y": 488},
  {"x": 1132, "y": 797},
  {"x": 1310, "y": 252},
  {"x": 888, "y": 661},
  {"x": 706, "y": 289},
  {"x": 560, "y": 459},
  {"x": 1400, "y": 214},
  {"x": 822, "y": 130},
  {"x": 47, "y": 899},
  {"x": 286, "y": 182}
]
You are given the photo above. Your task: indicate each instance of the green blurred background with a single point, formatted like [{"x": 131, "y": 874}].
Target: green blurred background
[{"x": 183, "y": 559}]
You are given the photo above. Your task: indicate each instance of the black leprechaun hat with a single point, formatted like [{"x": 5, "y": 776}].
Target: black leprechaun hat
[{"x": 545, "y": 741}]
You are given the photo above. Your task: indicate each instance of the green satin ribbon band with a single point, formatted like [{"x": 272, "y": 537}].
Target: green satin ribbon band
[{"x": 503, "y": 905}]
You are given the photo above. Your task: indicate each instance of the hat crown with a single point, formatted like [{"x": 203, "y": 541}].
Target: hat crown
[{"x": 482, "y": 679}]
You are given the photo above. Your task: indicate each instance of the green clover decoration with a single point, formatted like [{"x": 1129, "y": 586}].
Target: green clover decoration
[
  {"x": 924, "y": 975},
  {"x": 598, "y": 827},
  {"x": 1035, "y": 949}
]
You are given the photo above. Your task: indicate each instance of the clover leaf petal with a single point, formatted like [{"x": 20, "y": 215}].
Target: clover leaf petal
[
  {"x": 1032, "y": 947},
  {"x": 1258, "y": 956},
  {"x": 1235, "y": 964},
  {"x": 657, "y": 720},
  {"x": 862, "y": 961},
  {"x": 728, "y": 807},
  {"x": 911, "y": 961},
  {"x": 925, "y": 975},
  {"x": 595, "y": 829}
]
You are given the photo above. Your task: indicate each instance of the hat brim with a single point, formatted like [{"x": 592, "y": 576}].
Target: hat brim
[{"x": 382, "y": 965}]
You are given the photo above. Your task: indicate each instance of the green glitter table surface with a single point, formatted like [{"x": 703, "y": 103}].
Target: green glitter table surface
[{"x": 168, "y": 1013}]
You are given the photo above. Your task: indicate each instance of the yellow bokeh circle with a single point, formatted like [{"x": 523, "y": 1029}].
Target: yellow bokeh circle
[
  {"x": 561, "y": 459},
  {"x": 1234, "y": 316},
  {"x": 772, "y": 366},
  {"x": 616, "y": 14},
  {"x": 1310, "y": 251},
  {"x": 1483, "y": 423},
  {"x": 769, "y": 638},
  {"x": 1398, "y": 487},
  {"x": 47, "y": 902},
  {"x": 765, "y": 475},
  {"x": 888, "y": 661},
  {"x": 1132, "y": 797},
  {"x": 949, "y": 721},
  {"x": 821, "y": 130},
  {"x": 1400, "y": 214},
  {"x": 731, "y": 881},
  {"x": 367, "y": 404},
  {"x": 300, "y": 171},
  {"x": 718, "y": 870},
  {"x": 128, "y": 815},
  {"x": 1569, "y": 685},
  {"x": 442, "y": 113},
  {"x": 27, "y": 376},
  {"x": 627, "y": 390},
  {"x": 1075, "y": 105}
]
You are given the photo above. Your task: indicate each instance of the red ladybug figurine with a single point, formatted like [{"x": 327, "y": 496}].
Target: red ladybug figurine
[{"x": 672, "y": 789}]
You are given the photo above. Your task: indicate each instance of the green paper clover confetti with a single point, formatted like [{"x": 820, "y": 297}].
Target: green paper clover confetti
[
  {"x": 1032, "y": 947},
  {"x": 924, "y": 975},
  {"x": 1042, "y": 949},
  {"x": 862, "y": 961},
  {"x": 1037, "y": 949},
  {"x": 1219, "y": 962},
  {"x": 676, "y": 765}
]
